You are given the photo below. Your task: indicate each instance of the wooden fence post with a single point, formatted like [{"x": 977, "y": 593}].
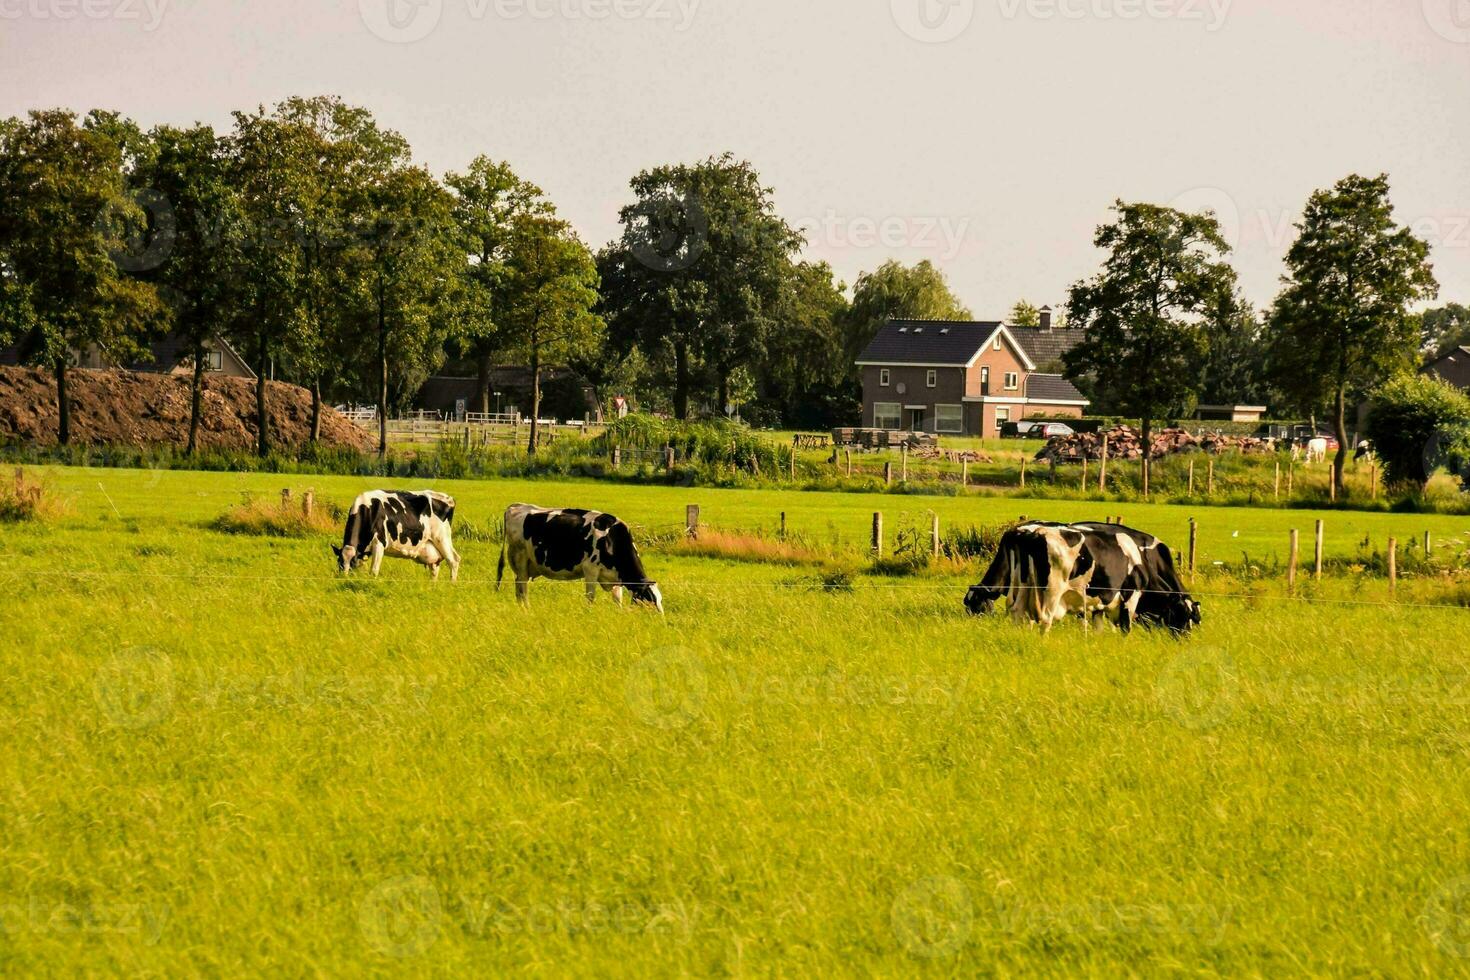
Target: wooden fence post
[
  {"x": 1023, "y": 471},
  {"x": 934, "y": 534},
  {"x": 1317, "y": 565},
  {"x": 1393, "y": 567},
  {"x": 1191, "y": 478},
  {"x": 965, "y": 474},
  {"x": 793, "y": 464},
  {"x": 1291, "y": 480},
  {"x": 1085, "y": 480},
  {"x": 1211, "y": 485},
  {"x": 1428, "y": 540},
  {"x": 1102, "y": 476},
  {"x": 617, "y": 457},
  {"x": 878, "y": 534},
  {"x": 1373, "y": 476},
  {"x": 669, "y": 458},
  {"x": 905, "y": 455},
  {"x": 1147, "y": 477},
  {"x": 888, "y": 472},
  {"x": 285, "y": 498},
  {"x": 1193, "y": 546},
  {"x": 1296, "y": 551},
  {"x": 308, "y": 502},
  {"x": 1276, "y": 487},
  {"x": 691, "y": 520},
  {"x": 849, "y": 462}
]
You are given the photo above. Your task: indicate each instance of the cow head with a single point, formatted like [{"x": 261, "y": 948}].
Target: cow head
[
  {"x": 648, "y": 594},
  {"x": 347, "y": 558},
  {"x": 980, "y": 600},
  {"x": 1181, "y": 614}
]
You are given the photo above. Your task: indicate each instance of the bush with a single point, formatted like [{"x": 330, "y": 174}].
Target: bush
[
  {"x": 277, "y": 518},
  {"x": 1419, "y": 424},
  {"x": 27, "y": 501}
]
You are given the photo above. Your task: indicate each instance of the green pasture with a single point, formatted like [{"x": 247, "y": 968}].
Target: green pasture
[{"x": 221, "y": 758}]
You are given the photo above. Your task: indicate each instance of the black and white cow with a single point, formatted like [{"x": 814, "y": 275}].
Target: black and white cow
[
  {"x": 568, "y": 545},
  {"x": 400, "y": 524},
  {"x": 1050, "y": 571}
]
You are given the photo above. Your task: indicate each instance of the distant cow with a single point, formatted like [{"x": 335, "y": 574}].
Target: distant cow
[
  {"x": 1050, "y": 571},
  {"x": 567, "y": 545},
  {"x": 400, "y": 524},
  {"x": 1364, "y": 451},
  {"x": 1317, "y": 451}
]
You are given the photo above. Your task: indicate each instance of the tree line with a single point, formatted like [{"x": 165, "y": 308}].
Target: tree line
[{"x": 309, "y": 237}]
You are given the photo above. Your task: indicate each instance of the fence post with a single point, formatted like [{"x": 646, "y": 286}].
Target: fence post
[
  {"x": 1102, "y": 476},
  {"x": 1374, "y": 478},
  {"x": 1085, "y": 480},
  {"x": 905, "y": 454},
  {"x": 691, "y": 520},
  {"x": 878, "y": 534},
  {"x": 934, "y": 534},
  {"x": 1023, "y": 471},
  {"x": 1276, "y": 491},
  {"x": 1193, "y": 546},
  {"x": 1332, "y": 486},
  {"x": 1296, "y": 542},
  {"x": 888, "y": 472},
  {"x": 1428, "y": 540},
  {"x": 783, "y": 525},
  {"x": 1317, "y": 565},
  {"x": 793, "y": 464},
  {"x": 617, "y": 457},
  {"x": 1211, "y": 490},
  {"x": 285, "y": 498},
  {"x": 1291, "y": 480},
  {"x": 964, "y": 474},
  {"x": 1147, "y": 477},
  {"x": 1393, "y": 567},
  {"x": 466, "y": 438},
  {"x": 669, "y": 458},
  {"x": 1191, "y": 478},
  {"x": 308, "y": 502},
  {"x": 849, "y": 462}
]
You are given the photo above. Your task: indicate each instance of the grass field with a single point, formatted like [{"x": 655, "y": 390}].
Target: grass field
[{"x": 220, "y": 757}]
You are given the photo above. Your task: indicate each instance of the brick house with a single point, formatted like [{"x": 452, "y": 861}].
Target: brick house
[
  {"x": 966, "y": 378},
  {"x": 1454, "y": 367}
]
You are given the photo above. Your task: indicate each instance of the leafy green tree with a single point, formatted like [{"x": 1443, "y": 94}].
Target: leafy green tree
[
  {"x": 1341, "y": 323},
  {"x": 189, "y": 169},
  {"x": 1418, "y": 424},
  {"x": 490, "y": 202},
  {"x": 551, "y": 292},
  {"x": 1025, "y": 314},
  {"x": 1443, "y": 329},
  {"x": 895, "y": 291},
  {"x": 1235, "y": 370},
  {"x": 65, "y": 219},
  {"x": 411, "y": 265},
  {"x": 1144, "y": 312},
  {"x": 699, "y": 271},
  {"x": 804, "y": 375}
]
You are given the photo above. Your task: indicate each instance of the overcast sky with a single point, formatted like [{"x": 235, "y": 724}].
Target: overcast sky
[{"x": 989, "y": 136}]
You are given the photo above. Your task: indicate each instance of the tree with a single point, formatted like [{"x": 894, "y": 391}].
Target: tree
[
  {"x": 490, "y": 201},
  {"x": 698, "y": 272},
  {"x": 551, "y": 292},
  {"x": 803, "y": 379},
  {"x": 1235, "y": 368},
  {"x": 1025, "y": 314},
  {"x": 189, "y": 170},
  {"x": 894, "y": 291},
  {"x": 65, "y": 219},
  {"x": 1418, "y": 424},
  {"x": 411, "y": 265},
  {"x": 1341, "y": 323},
  {"x": 1444, "y": 329},
  {"x": 1143, "y": 313}
]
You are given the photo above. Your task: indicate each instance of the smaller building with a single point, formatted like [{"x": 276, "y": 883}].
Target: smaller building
[
  {"x": 1230, "y": 413},
  {"x": 168, "y": 355},
  {"x": 1454, "y": 367}
]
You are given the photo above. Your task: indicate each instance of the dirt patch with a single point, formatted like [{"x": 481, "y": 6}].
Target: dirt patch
[{"x": 135, "y": 409}]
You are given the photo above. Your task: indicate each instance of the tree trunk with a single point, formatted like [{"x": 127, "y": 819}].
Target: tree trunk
[
  {"x": 724, "y": 392},
  {"x": 262, "y": 422},
  {"x": 316, "y": 410},
  {"x": 196, "y": 399},
  {"x": 535, "y": 398},
  {"x": 63, "y": 405},
  {"x": 681, "y": 382},
  {"x": 1340, "y": 423},
  {"x": 484, "y": 384},
  {"x": 382, "y": 378}
]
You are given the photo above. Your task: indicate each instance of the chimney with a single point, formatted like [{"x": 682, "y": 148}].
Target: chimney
[{"x": 1046, "y": 319}]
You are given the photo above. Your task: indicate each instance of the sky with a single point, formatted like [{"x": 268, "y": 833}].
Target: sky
[{"x": 988, "y": 136}]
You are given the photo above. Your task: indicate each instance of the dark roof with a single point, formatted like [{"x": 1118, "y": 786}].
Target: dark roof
[
  {"x": 942, "y": 342},
  {"x": 1046, "y": 346},
  {"x": 1053, "y": 387}
]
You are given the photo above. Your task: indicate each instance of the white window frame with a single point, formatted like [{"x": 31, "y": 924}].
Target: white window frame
[
  {"x": 932, "y": 379},
  {"x": 1013, "y": 381},
  {"x": 997, "y": 341},
  {"x": 880, "y": 416},
  {"x": 214, "y": 360},
  {"x": 959, "y": 418},
  {"x": 1002, "y": 414},
  {"x": 885, "y": 377}
]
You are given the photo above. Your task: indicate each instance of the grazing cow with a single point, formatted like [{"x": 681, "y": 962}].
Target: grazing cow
[
  {"x": 1050, "y": 571},
  {"x": 567, "y": 545},
  {"x": 1317, "y": 451},
  {"x": 400, "y": 524},
  {"x": 1364, "y": 450}
]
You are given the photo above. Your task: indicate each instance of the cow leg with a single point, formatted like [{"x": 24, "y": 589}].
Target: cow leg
[
  {"x": 377, "y": 558},
  {"x": 591, "y": 589},
  {"x": 523, "y": 591},
  {"x": 434, "y": 571},
  {"x": 617, "y": 594}
]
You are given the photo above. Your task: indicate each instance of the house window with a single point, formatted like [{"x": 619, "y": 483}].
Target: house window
[
  {"x": 1013, "y": 381},
  {"x": 985, "y": 376},
  {"x": 1002, "y": 415},
  {"x": 933, "y": 379},
  {"x": 214, "y": 360},
  {"x": 949, "y": 418},
  {"x": 884, "y": 377},
  {"x": 997, "y": 341},
  {"x": 887, "y": 415}
]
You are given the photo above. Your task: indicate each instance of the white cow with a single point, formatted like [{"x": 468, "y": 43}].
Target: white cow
[{"x": 1317, "y": 451}]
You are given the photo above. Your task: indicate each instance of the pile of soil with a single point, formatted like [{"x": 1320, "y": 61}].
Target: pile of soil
[{"x": 140, "y": 409}]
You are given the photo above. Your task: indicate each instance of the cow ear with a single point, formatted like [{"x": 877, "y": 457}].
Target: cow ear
[{"x": 337, "y": 551}]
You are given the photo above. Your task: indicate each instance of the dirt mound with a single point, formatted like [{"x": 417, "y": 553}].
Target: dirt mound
[{"x": 128, "y": 408}]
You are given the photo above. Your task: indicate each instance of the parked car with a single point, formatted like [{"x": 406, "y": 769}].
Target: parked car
[{"x": 1048, "y": 430}]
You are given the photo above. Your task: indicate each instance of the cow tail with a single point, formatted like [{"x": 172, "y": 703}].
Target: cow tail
[{"x": 500, "y": 572}]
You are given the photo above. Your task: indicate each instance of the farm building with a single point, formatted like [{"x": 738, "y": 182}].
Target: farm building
[
  {"x": 952, "y": 377},
  {"x": 1454, "y": 367},
  {"x": 167, "y": 355}
]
